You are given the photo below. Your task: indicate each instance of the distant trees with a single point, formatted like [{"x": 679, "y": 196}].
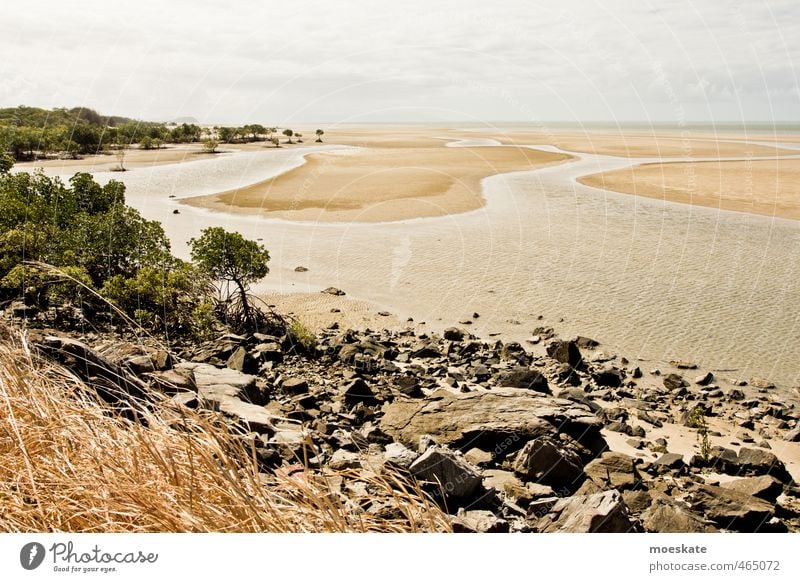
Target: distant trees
[
  {"x": 319, "y": 133},
  {"x": 29, "y": 132}
]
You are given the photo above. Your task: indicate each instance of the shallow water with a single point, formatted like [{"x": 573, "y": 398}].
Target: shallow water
[{"x": 647, "y": 278}]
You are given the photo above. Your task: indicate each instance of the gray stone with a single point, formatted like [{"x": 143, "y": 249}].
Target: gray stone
[
  {"x": 730, "y": 509},
  {"x": 342, "y": 460},
  {"x": 674, "y": 382},
  {"x": 669, "y": 461},
  {"x": 333, "y": 291},
  {"x": 793, "y": 436},
  {"x": 174, "y": 381},
  {"x": 566, "y": 352},
  {"x": 704, "y": 379},
  {"x": 241, "y": 361},
  {"x": 613, "y": 471},
  {"x": 358, "y": 391},
  {"x": 454, "y": 334},
  {"x": 500, "y": 420},
  {"x": 479, "y": 457},
  {"x": 399, "y": 455},
  {"x": 295, "y": 386},
  {"x": 546, "y": 461},
  {"x": 521, "y": 377},
  {"x": 668, "y": 516},
  {"x": 599, "y": 513},
  {"x": 765, "y": 487},
  {"x": 452, "y": 473},
  {"x": 214, "y": 383}
]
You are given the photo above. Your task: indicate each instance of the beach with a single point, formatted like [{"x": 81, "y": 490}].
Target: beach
[{"x": 521, "y": 240}]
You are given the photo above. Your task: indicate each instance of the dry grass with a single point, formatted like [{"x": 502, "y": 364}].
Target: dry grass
[{"x": 67, "y": 464}]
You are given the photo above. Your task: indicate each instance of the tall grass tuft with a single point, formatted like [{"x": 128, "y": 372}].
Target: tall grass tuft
[{"x": 67, "y": 463}]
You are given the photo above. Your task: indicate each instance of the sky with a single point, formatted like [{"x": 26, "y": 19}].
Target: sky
[{"x": 355, "y": 61}]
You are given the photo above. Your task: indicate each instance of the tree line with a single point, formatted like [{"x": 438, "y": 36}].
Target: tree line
[{"x": 28, "y": 133}]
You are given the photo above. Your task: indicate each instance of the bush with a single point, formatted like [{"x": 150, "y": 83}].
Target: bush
[
  {"x": 162, "y": 299},
  {"x": 302, "y": 338}
]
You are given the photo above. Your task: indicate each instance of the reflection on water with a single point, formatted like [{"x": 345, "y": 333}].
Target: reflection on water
[{"x": 647, "y": 278}]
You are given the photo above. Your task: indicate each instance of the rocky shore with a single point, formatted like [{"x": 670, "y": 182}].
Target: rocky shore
[{"x": 503, "y": 438}]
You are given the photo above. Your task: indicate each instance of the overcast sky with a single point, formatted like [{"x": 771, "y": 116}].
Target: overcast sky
[{"x": 278, "y": 62}]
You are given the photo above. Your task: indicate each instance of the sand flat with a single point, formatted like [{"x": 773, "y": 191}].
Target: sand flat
[
  {"x": 768, "y": 187},
  {"x": 641, "y": 145},
  {"x": 380, "y": 184}
]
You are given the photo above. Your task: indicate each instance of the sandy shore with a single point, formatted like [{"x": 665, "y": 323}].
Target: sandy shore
[
  {"x": 768, "y": 187},
  {"x": 380, "y": 184}
]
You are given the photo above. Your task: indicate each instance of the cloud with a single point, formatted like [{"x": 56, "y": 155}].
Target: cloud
[{"x": 326, "y": 61}]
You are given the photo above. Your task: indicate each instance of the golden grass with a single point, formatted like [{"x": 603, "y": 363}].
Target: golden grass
[{"x": 67, "y": 464}]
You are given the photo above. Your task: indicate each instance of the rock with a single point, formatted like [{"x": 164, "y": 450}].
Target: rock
[
  {"x": 637, "y": 372},
  {"x": 250, "y": 416},
  {"x": 730, "y": 509},
  {"x": 637, "y": 500},
  {"x": 765, "y": 487},
  {"x": 358, "y": 391},
  {"x": 500, "y": 420},
  {"x": 761, "y": 462},
  {"x": 399, "y": 455},
  {"x": 295, "y": 386},
  {"x": 447, "y": 470},
  {"x": 586, "y": 343},
  {"x": 545, "y": 461},
  {"x": 599, "y": 513},
  {"x": 427, "y": 350},
  {"x": 454, "y": 334},
  {"x": 610, "y": 376},
  {"x": 478, "y": 521},
  {"x": 300, "y": 269},
  {"x": 669, "y": 516},
  {"x": 762, "y": 384},
  {"x": 213, "y": 382},
  {"x": 19, "y": 310},
  {"x": 479, "y": 457},
  {"x": 333, "y": 291},
  {"x": 114, "y": 383},
  {"x": 521, "y": 377},
  {"x": 566, "y": 352},
  {"x": 241, "y": 361},
  {"x": 613, "y": 471},
  {"x": 218, "y": 349},
  {"x": 672, "y": 461},
  {"x": 683, "y": 365},
  {"x": 674, "y": 382},
  {"x": 735, "y": 394},
  {"x": 704, "y": 379},
  {"x": 174, "y": 381},
  {"x": 342, "y": 460},
  {"x": 793, "y": 436},
  {"x": 140, "y": 365},
  {"x": 269, "y": 352}
]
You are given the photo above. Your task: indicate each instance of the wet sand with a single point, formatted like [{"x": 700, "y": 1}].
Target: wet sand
[
  {"x": 380, "y": 184},
  {"x": 768, "y": 187}
]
